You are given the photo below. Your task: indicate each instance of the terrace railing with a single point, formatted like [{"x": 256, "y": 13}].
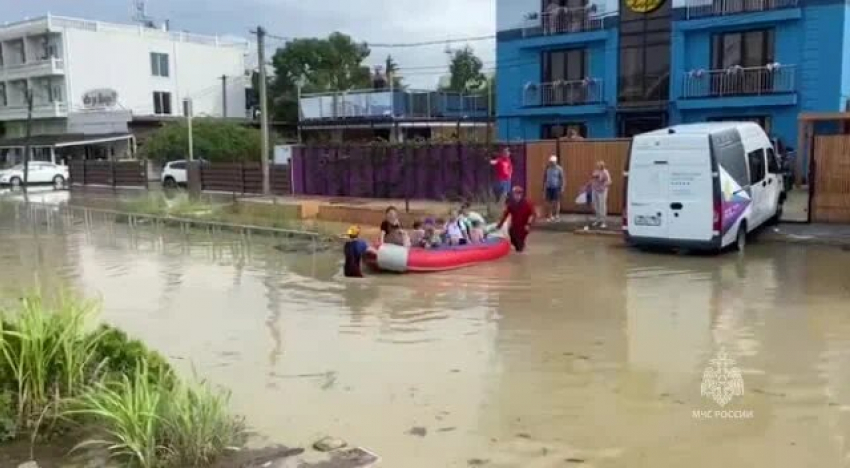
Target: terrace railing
[
  {"x": 563, "y": 93},
  {"x": 740, "y": 81},
  {"x": 564, "y": 20},
  {"x": 706, "y": 8}
]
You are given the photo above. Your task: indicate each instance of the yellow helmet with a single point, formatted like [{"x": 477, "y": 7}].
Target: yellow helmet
[{"x": 353, "y": 231}]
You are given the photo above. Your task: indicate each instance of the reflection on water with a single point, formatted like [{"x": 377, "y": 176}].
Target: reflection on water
[{"x": 578, "y": 351}]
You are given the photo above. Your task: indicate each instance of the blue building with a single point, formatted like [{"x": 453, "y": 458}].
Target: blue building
[{"x": 614, "y": 68}]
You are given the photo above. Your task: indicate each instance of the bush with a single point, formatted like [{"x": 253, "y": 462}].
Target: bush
[
  {"x": 145, "y": 422},
  {"x": 45, "y": 355},
  {"x": 213, "y": 140},
  {"x": 53, "y": 369}
]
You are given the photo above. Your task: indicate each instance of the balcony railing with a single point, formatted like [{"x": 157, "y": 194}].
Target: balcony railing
[
  {"x": 704, "y": 8},
  {"x": 563, "y": 93},
  {"x": 738, "y": 81},
  {"x": 40, "y": 110},
  {"x": 45, "y": 67},
  {"x": 563, "y": 20},
  {"x": 392, "y": 104}
]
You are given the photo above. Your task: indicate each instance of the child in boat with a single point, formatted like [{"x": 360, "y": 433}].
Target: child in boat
[
  {"x": 440, "y": 228},
  {"x": 353, "y": 250},
  {"x": 476, "y": 233},
  {"x": 431, "y": 237},
  {"x": 455, "y": 230},
  {"x": 468, "y": 216},
  {"x": 417, "y": 234}
]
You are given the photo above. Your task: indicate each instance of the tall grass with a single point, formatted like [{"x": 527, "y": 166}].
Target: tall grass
[
  {"x": 55, "y": 368},
  {"x": 46, "y": 354},
  {"x": 149, "y": 424},
  {"x": 125, "y": 412}
]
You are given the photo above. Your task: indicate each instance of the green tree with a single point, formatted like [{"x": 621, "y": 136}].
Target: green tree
[
  {"x": 466, "y": 70},
  {"x": 391, "y": 69},
  {"x": 331, "y": 64},
  {"x": 213, "y": 140}
]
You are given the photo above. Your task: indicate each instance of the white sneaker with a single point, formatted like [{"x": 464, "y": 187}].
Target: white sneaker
[{"x": 603, "y": 226}]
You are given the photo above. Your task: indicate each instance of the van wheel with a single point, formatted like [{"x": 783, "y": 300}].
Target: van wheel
[
  {"x": 58, "y": 182},
  {"x": 741, "y": 238},
  {"x": 170, "y": 182},
  {"x": 777, "y": 217}
]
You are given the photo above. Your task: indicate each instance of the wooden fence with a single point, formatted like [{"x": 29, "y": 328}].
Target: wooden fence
[
  {"x": 830, "y": 201},
  {"x": 244, "y": 178},
  {"x": 109, "y": 173},
  {"x": 578, "y": 158}
]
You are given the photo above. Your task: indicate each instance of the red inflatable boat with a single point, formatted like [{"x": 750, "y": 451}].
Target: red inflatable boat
[{"x": 399, "y": 259}]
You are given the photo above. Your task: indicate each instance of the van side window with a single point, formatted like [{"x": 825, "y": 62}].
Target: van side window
[
  {"x": 757, "y": 166},
  {"x": 772, "y": 162}
]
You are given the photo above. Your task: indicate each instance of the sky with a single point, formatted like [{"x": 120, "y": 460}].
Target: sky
[{"x": 379, "y": 21}]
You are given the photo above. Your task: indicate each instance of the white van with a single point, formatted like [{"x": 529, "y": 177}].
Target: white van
[{"x": 701, "y": 186}]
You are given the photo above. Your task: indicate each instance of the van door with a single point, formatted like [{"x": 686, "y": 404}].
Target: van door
[
  {"x": 647, "y": 193},
  {"x": 775, "y": 181},
  {"x": 759, "y": 190},
  {"x": 691, "y": 195}
]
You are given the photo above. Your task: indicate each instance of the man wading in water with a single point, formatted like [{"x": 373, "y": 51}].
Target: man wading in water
[{"x": 522, "y": 216}]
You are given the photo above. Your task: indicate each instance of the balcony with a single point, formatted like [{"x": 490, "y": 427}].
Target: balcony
[
  {"x": 708, "y": 8},
  {"x": 382, "y": 104},
  {"x": 563, "y": 93},
  {"x": 45, "y": 110},
  {"x": 21, "y": 71},
  {"x": 770, "y": 79},
  {"x": 563, "y": 20}
]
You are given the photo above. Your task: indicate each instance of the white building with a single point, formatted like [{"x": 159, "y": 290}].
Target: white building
[{"x": 91, "y": 81}]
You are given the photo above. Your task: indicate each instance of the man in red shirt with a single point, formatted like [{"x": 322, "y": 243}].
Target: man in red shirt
[
  {"x": 504, "y": 172},
  {"x": 522, "y": 216}
]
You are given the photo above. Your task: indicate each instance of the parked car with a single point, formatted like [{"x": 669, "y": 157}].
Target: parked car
[
  {"x": 174, "y": 174},
  {"x": 701, "y": 186},
  {"x": 39, "y": 173}
]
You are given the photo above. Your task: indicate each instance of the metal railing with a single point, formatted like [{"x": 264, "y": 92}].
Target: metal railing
[
  {"x": 705, "y": 8},
  {"x": 563, "y": 93},
  {"x": 389, "y": 104},
  {"x": 564, "y": 20},
  {"x": 739, "y": 81}
]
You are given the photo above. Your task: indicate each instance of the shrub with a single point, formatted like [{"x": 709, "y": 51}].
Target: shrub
[
  {"x": 145, "y": 422},
  {"x": 45, "y": 355},
  {"x": 118, "y": 354}
]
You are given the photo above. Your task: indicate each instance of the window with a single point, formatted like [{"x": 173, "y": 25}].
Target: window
[
  {"x": 772, "y": 162},
  {"x": 548, "y": 4},
  {"x": 744, "y": 49},
  {"x": 565, "y": 65},
  {"x": 644, "y": 71},
  {"x": 756, "y": 160},
  {"x": 177, "y": 165},
  {"x": 3, "y": 99},
  {"x": 159, "y": 64},
  {"x": 560, "y": 130},
  {"x": 161, "y": 103}
]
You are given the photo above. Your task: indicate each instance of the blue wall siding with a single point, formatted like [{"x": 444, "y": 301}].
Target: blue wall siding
[
  {"x": 821, "y": 49},
  {"x": 519, "y": 62}
]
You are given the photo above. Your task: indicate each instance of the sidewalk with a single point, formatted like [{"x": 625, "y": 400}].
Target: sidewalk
[
  {"x": 576, "y": 223},
  {"x": 820, "y": 234}
]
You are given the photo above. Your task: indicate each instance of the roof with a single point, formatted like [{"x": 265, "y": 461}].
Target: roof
[
  {"x": 62, "y": 140},
  {"x": 699, "y": 128}
]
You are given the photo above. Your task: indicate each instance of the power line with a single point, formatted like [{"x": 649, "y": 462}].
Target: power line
[{"x": 401, "y": 45}]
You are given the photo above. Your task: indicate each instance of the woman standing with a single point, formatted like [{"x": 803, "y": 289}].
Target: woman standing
[{"x": 600, "y": 181}]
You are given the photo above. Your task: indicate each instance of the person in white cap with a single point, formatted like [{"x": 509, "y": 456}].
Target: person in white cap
[{"x": 553, "y": 185}]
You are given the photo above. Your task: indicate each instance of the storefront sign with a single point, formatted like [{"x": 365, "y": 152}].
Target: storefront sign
[
  {"x": 644, "y": 6},
  {"x": 100, "y": 99}
]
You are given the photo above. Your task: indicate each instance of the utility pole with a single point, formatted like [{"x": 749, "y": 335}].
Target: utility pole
[
  {"x": 224, "y": 96},
  {"x": 29, "y": 136},
  {"x": 187, "y": 111},
  {"x": 264, "y": 107}
]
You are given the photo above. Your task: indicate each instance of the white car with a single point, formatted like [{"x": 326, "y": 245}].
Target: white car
[
  {"x": 39, "y": 173},
  {"x": 174, "y": 173}
]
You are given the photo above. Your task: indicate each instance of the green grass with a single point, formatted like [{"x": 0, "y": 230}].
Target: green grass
[
  {"x": 58, "y": 372},
  {"x": 179, "y": 205}
]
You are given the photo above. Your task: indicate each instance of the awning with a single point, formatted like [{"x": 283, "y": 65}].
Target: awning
[{"x": 63, "y": 140}]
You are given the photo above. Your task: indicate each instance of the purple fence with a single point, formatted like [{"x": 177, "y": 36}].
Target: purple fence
[{"x": 434, "y": 172}]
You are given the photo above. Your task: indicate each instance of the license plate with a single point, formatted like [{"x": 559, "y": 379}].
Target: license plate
[{"x": 648, "y": 220}]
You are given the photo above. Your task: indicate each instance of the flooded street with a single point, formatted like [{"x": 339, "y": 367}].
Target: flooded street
[{"x": 578, "y": 353}]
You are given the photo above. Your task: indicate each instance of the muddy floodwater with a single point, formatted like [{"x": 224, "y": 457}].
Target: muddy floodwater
[{"x": 577, "y": 353}]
